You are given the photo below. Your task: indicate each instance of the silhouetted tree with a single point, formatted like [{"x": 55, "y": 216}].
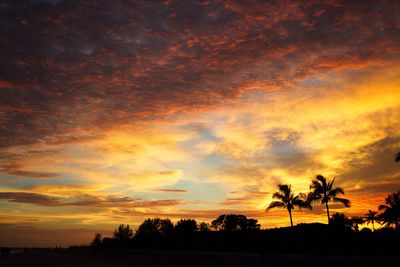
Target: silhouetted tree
[
  {"x": 167, "y": 227},
  {"x": 287, "y": 200},
  {"x": 152, "y": 228},
  {"x": 123, "y": 233},
  {"x": 397, "y": 158},
  {"x": 204, "y": 227},
  {"x": 186, "y": 226},
  {"x": 371, "y": 217},
  {"x": 391, "y": 210},
  {"x": 233, "y": 222},
  {"x": 323, "y": 190},
  {"x": 96, "y": 240}
]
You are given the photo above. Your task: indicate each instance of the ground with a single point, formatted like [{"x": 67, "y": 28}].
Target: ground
[{"x": 175, "y": 259}]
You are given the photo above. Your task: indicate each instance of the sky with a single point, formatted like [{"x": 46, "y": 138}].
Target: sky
[{"x": 112, "y": 112}]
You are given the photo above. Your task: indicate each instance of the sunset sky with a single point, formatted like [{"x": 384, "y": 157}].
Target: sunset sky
[{"x": 115, "y": 111}]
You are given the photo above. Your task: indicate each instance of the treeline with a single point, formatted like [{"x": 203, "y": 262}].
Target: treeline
[
  {"x": 238, "y": 233},
  {"x": 185, "y": 233}
]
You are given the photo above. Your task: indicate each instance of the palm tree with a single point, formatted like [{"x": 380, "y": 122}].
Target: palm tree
[
  {"x": 323, "y": 190},
  {"x": 371, "y": 217},
  {"x": 397, "y": 158},
  {"x": 391, "y": 211},
  {"x": 287, "y": 200}
]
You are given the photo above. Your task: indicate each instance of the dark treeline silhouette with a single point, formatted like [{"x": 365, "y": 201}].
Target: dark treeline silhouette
[{"x": 231, "y": 232}]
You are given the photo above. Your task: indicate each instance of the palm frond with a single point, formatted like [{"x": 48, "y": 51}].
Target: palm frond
[
  {"x": 329, "y": 185},
  {"x": 344, "y": 201},
  {"x": 335, "y": 192},
  {"x": 316, "y": 186},
  {"x": 383, "y": 207},
  {"x": 302, "y": 201},
  {"x": 275, "y": 204},
  {"x": 279, "y": 195},
  {"x": 322, "y": 179},
  {"x": 284, "y": 188}
]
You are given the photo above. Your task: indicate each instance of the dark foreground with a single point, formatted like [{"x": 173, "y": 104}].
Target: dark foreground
[{"x": 186, "y": 258}]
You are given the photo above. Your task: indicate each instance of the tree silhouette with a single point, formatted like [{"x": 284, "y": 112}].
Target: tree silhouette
[
  {"x": 323, "y": 190},
  {"x": 397, "y": 158},
  {"x": 186, "y": 226},
  {"x": 287, "y": 200},
  {"x": 96, "y": 240},
  {"x": 371, "y": 217},
  {"x": 204, "y": 227},
  {"x": 233, "y": 222},
  {"x": 123, "y": 233},
  {"x": 154, "y": 228},
  {"x": 391, "y": 211}
]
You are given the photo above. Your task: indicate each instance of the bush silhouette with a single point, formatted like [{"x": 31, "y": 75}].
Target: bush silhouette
[
  {"x": 232, "y": 222},
  {"x": 97, "y": 240},
  {"x": 123, "y": 233}
]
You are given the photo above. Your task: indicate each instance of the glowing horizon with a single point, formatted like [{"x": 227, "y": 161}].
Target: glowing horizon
[{"x": 115, "y": 113}]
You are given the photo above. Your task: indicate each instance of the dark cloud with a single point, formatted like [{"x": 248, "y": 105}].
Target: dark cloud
[
  {"x": 173, "y": 190},
  {"x": 379, "y": 165},
  {"x": 31, "y": 198},
  {"x": 86, "y": 200},
  {"x": 70, "y": 65},
  {"x": 15, "y": 169}
]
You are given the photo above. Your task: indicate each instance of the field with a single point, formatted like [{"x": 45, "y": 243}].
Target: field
[{"x": 181, "y": 259}]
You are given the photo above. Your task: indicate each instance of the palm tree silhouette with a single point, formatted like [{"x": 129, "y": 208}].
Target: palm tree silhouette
[
  {"x": 287, "y": 200},
  {"x": 391, "y": 211},
  {"x": 371, "y": 217},
  {"x": 397, "y": 158},
  {"x": 323, "y": 190}
]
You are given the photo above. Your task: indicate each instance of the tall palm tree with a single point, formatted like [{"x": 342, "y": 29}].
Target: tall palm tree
[
  {"x": 391, "y": 210},
  {"x": 287, "y": 200},
  {"x": 397, "y": 158},
  {"x": 371, "y": 217},
  {"x": 323, "y": 190}
]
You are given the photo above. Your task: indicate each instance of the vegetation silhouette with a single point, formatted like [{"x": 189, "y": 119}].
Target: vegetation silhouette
[
  {"x": 371, "y": 217},
  {"x": 356, "y": 221},
  {"x": 341, "y": 221},
  {"x": 236, "y": 232},
  {"x": 390, "y": 215},
  {"x": 287, "y": 200},
  {"x": 186, "y": 226},
  {"x": 397, "y": 157},
  {"x": 232, "y": 223},
  {"x": 154, "y": 229},
  {"x": 325, "y": 191},
  {"x": 97, "y": 240}
]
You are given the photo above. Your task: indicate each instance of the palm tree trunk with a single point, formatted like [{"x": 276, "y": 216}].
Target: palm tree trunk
[
  {"x": 327, "y": 212},
  {"x": 373, "y": 228},
  {"x": 290, "y": 215}
]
